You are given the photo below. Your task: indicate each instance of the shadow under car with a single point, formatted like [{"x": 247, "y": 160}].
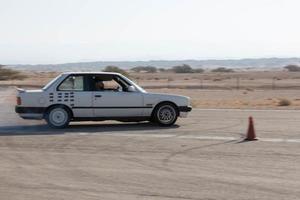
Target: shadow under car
[{"x": 43, "y": 129}]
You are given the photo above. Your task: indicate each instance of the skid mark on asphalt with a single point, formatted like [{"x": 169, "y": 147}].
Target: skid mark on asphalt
[
  {"x": 142, "y": 162},
  {"x": 246, "y": 110},
  {"x": 197, "y": 137},
  {"x": 174, "y": 154}
]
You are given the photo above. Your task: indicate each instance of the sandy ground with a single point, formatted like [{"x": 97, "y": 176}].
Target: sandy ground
[
  {"x": 255, "y": 99},
  {"x": 202, "y": 157}
]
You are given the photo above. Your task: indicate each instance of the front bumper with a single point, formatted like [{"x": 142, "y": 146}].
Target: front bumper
[{"x": 185, "y": 108}]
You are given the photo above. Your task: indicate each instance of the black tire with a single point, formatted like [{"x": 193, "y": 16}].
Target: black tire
[
  {"x": 165, "y": 114},
  {"x": 58, "y": 117},
  {"x": 152, "y": 120}
]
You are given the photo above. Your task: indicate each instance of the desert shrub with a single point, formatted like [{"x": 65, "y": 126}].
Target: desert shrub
[
  {"x": 115, "y": 69},
  {"x": 10, "y": 74},
  {"x": 161, "y": 69},
  {"x": 182, "y": 69},
  {"x": 292, "y": 68},
  {"x": 198, "y": 70},
  {"x": 222, "y": 69},
  {"x": 284, "y": 102},
  {"x": 148, "y": 69}
]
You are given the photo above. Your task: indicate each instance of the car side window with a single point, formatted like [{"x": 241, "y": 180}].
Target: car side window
[
  {"x": 111, "y": 85},
  {"x": 105, "y": 83},
  {"x": 72, "y": 83}
]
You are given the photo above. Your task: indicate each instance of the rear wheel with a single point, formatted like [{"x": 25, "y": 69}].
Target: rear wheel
[
  {"x": 165, "y": 114},
  {"x": 58, "y": 117}
]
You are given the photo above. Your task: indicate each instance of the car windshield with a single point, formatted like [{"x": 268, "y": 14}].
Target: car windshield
[
  {"x": 50, "y": 83},
  {"x": 133, "y": 83}
]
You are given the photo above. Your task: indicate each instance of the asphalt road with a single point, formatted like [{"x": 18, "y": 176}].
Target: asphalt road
[{"x": 202, "y": 157}]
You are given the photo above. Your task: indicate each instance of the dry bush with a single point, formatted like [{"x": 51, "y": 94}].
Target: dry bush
[
  {"x": 222, "y": 69},
  {"x": 182, "y": 69},
  {"x": 10, "y": 74},
  {"x": 198, "y": 70},
  {"x": 186, "y": 69},
  {"x": 292, "y": 68},
  {"x": 115, "y": 69},
  {"x": 147, "y": 69},
  {"x": 284, "y": 102}
]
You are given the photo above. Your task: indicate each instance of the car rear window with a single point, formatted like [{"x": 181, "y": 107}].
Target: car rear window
[
  {"x": 72, "y": 83},
  {"x": 51, "y": 82}
]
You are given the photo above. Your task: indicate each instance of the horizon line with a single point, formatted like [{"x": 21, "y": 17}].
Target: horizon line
[{"x": 164, "y": 60}]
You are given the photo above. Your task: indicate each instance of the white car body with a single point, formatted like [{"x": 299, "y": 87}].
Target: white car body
[{"x": 133, "y": 105}]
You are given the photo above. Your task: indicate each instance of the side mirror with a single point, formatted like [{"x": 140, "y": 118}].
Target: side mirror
[{"x": 131, "y": 89}]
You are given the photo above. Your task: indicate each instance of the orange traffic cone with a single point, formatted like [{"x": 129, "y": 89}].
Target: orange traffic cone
[{"x": 251, "y": 136}]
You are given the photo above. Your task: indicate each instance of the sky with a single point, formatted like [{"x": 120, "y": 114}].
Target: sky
[{"x": 59, "y": 31}]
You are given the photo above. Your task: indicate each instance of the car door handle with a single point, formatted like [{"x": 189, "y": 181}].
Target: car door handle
[{"x": 98, "y": 96}]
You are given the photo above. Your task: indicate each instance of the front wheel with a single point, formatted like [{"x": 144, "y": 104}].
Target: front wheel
[
  {"x": 165, "y": 114},
  {"x": 58, "y": 117}
]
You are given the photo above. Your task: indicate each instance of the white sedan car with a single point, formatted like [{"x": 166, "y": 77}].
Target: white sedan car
[{"x": 94, "y": 96}]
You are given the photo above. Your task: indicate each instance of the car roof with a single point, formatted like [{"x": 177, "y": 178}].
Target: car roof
[{"x": 104, "y": 73}]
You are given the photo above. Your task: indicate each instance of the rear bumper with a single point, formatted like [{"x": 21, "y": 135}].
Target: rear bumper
[
  {"x": 31, "y": 116},
  {"x": 31, "y": 110},
  {"x": 185, "y": 108}
]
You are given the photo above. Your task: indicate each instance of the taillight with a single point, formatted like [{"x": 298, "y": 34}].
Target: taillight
[{"x": 19, "y": 102}]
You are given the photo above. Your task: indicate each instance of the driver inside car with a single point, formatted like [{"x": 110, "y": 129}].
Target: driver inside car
[{"x": 99, "y": 85}]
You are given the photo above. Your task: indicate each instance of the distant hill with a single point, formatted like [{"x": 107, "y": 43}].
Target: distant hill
[{"x": 229, "y": 63}]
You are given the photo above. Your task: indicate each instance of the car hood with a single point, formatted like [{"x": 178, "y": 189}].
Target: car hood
[{"x": 168, "y": 95}]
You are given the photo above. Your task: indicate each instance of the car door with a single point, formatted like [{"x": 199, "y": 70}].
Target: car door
[
  {"x": 75, "y": 93},
  {"x": 116, "y": 102}
]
